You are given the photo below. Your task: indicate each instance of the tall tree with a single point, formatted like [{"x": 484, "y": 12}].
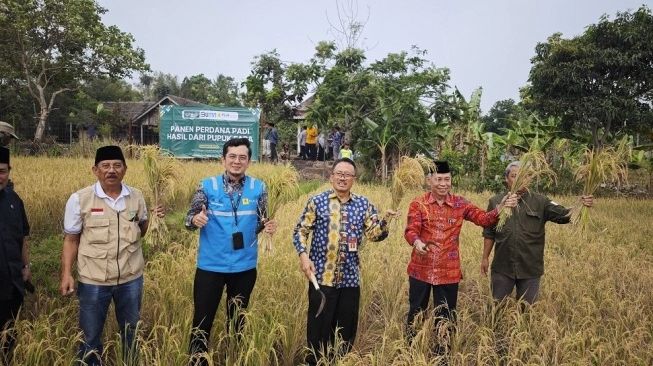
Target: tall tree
[
  {"x": 500, "y": 115},
  {"x": 59, "y": 44},
  {"x": 225, "y": 92},
  {"x": 600, "y": 81},
  {"x": 275, "y": 86}
]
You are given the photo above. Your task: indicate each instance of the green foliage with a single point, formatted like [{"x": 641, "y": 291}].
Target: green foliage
[
  {"x": 54, "y": 47},
  {"x": 600, "y": 81}
]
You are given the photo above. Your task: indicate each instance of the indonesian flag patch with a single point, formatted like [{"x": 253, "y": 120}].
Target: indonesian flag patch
[{"x": 97, "y": 211}]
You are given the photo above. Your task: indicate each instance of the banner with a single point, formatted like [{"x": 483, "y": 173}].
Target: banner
[{"x": 200, "y": 132}]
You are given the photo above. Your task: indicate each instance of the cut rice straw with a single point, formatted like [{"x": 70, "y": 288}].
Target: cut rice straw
[
  {"x": 162, "y": 174},
  {"x": 607, "y": 164},
  {"x": 282, "y": 183},
  {"x": 408, "y": 176},
  {"x": 533, "y": 166}
]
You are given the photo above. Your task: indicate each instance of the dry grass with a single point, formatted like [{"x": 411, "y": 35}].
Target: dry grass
[
  {"x": 609, "y": 164},
  {"x": 408, "y": 177},
  {"x": 595, "y": 306},
  {"x": 162, "y": 173}
]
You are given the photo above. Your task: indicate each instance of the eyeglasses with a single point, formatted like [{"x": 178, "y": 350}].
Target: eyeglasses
[
  {"x": 344, "y": 175},
  {"x": 233, "y": 157},
  {"x": 115, "y": 166}
]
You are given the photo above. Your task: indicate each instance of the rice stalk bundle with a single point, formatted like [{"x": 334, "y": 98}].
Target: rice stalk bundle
[
  {"x": 408, "y": 176},
  {"x": 282, "y": 183},
  {"x": 162, "y": 173},
  {"x": 533, "y": 166},
  {"x": 609, "y": 163}
]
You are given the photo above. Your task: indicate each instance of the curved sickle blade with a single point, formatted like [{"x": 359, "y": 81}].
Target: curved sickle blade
[{"x": 323, "y": 301}]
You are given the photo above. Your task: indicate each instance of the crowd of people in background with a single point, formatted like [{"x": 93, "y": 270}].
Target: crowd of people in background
[{"x": 311, "y": 144}]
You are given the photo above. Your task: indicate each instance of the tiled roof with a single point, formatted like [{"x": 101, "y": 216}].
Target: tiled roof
[
  {"x": 136, "y": 110},
  {"x": 302, "y": 108}
]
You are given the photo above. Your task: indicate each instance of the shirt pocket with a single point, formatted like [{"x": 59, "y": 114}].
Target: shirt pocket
[
  {"x": 96, "y": 231},
  {"x": 133, "y": 231},
  {"x": 93, "y": 262},
  {"x": 532, "y": 221}
]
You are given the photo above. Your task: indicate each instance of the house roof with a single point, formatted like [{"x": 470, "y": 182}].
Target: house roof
[
  {"x": 302, "y": 108},
  {"x": 136, "y": 110}
]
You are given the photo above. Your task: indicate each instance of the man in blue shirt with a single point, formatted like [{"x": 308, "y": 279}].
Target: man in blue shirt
[{"x": 274, "y": 141}]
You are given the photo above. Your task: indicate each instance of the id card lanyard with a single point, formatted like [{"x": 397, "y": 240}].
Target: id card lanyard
[{"x": 234, "y": 205}]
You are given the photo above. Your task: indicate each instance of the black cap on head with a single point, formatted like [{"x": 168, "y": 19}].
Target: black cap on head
[
  {"x": 4, "y": 155},
  {"x": 441, "y": 167},
  {"x": 109, "y": 153}
]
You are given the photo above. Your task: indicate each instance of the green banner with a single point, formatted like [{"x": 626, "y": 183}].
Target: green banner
[{"x": 200, "y": 132}]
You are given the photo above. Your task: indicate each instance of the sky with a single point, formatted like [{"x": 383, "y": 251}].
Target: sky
[{"x": 484, "y": 43}]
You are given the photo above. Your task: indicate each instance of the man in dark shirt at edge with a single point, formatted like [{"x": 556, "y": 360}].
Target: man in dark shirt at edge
[
  {"x": 519, "y": 251},
  {"x": 15, "y": 268}
]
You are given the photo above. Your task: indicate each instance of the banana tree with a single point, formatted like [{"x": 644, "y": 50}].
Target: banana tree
[{"x": 381, "y": 137}]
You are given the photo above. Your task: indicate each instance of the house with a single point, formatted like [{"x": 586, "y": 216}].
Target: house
[
  {"x": 143, "y": 117},
  {"x": 299, "y": 112}
]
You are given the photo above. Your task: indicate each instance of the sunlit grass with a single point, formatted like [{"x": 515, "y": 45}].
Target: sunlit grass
[{"x": 595, "y": 306}]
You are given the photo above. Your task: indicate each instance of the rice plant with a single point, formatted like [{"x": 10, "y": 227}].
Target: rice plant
[
  {"x": 408, "y": 176},
  {"x": 533, "y": 166},
  {"x": 282, "y": 183},
  {"x": 162, "y": 173},
  {"x": 609, "y": 163}
]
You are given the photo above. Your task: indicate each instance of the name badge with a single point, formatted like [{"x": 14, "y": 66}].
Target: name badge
[{"x": 352, "y": 244}]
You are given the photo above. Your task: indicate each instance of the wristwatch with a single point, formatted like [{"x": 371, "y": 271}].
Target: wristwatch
[{"x": 26, "y": 266}]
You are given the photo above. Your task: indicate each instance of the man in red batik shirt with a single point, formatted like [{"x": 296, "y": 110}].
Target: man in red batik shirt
[{"x": 433, "y": 229}]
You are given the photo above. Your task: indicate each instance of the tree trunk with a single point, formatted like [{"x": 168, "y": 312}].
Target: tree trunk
[
  {"x": 40, "y": 128},
  {"x": 384, "y": 167}
]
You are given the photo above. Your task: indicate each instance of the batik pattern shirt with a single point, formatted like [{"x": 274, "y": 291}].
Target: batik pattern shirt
[
  {"x": 337, "y": 229},
  {"x": 438, "y": 226}
]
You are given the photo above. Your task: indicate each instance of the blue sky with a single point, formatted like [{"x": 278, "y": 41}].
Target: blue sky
[{"x": 484, "y": 43}]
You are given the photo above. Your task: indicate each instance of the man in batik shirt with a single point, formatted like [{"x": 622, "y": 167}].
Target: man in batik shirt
[{"x": 338, "y": 220}]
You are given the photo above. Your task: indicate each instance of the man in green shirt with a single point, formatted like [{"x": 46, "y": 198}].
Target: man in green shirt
[{"x": 519, "y": 246}]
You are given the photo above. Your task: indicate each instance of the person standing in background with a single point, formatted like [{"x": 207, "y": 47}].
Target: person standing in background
[
  {"x": 266, "y": 140},
  {"x": 7, "y": 134},
  {"x": 15, "y": 267},
  {"x": 301, "y": 140},
  {"x": 346, "y": 152},
  {"x": 274, "y": 141},
  {"x": 337, "y": 141},
  {"x": 311, "y": 142}
]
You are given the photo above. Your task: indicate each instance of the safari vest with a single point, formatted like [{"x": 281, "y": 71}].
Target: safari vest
[{"x": 110, "y": 242}]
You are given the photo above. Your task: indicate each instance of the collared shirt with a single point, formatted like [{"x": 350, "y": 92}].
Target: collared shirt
[
  {"x": 73, "y": 223},
  {"x": 13, "y": 230},
  {"x": 337, "y": 139},
  {"x": 439, "y": 226},
  {"x": 311, "y": 135},
  {"x": 274, "y": 136},
  {"x": 519, "y": 246},
  {"x": 338, "y": 229},
  {"x": 302, "y": 138},
  {"x": 230, "y": 187}
]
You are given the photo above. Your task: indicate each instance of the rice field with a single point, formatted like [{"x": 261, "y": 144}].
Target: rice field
[{"x": 596, "y": 305}]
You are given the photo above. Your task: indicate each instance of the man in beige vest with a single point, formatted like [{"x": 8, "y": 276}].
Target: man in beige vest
[{"x": 104, "y": 224}]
